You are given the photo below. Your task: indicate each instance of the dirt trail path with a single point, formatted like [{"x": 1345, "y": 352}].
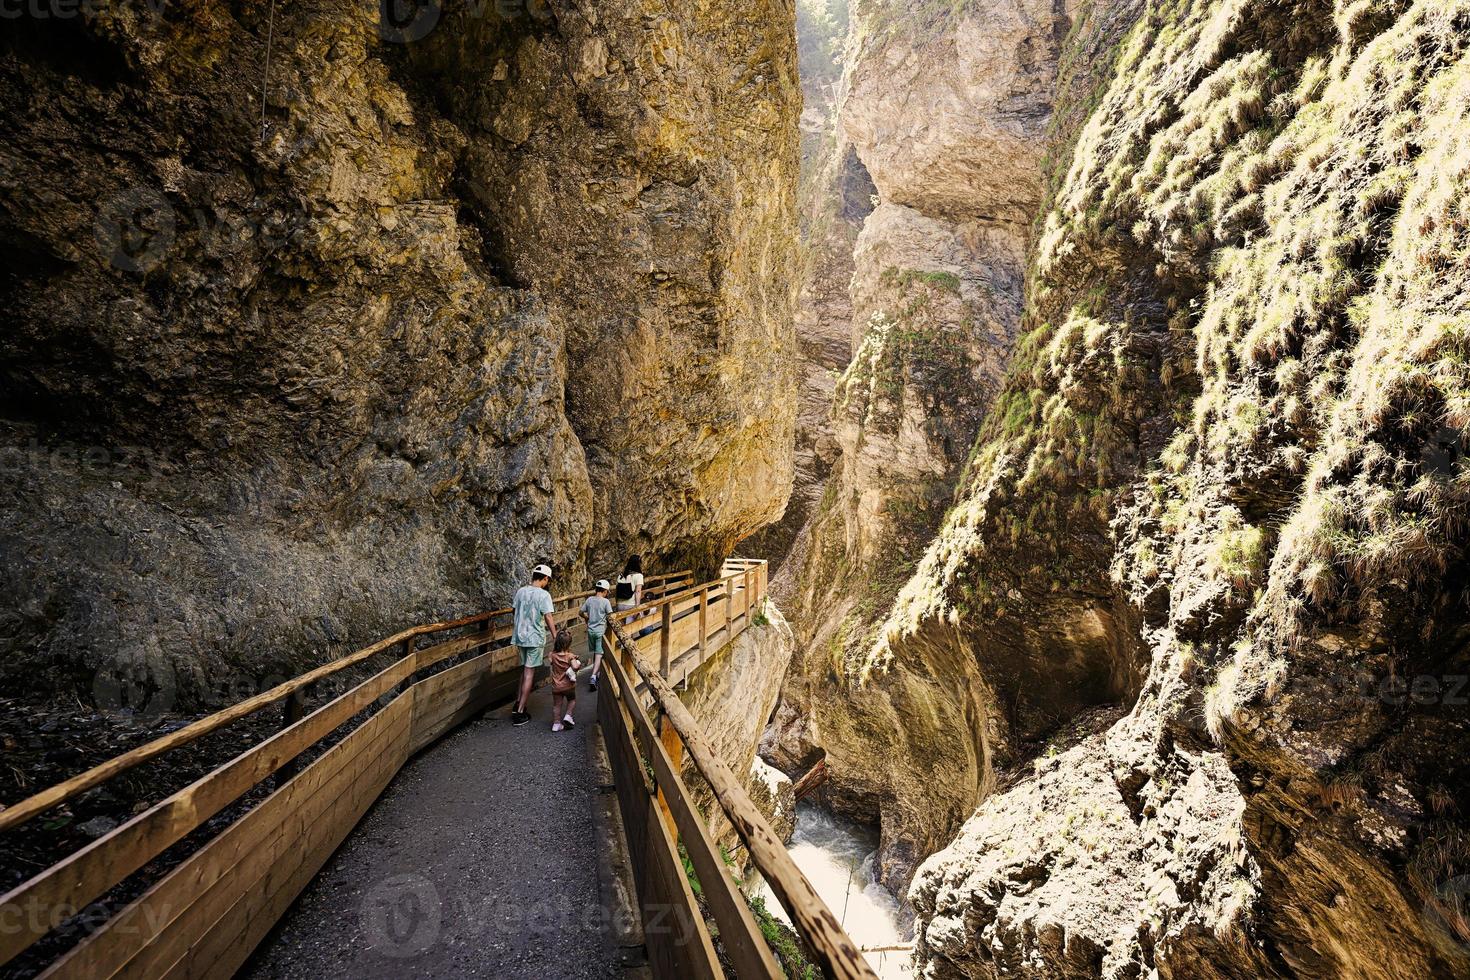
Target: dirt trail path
[{"x": 485, "y": 858}]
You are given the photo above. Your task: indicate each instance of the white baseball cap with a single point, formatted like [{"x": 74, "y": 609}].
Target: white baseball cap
[
  {"x": 541, "y": 571},
  {"x": 602, "y": 584}
]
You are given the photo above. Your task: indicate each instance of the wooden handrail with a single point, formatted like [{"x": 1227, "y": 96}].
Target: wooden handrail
[
  {"x": 32, "y": 806},
  {"x": 90, "y": 872},
  {"x": 204, "y": 916},
  {"x": 815, "y": 922},
  {"x": 639, "y": 612}
]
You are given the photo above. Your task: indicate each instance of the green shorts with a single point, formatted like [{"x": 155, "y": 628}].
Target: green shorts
[
  {"x": 594, "y": 644},
  {"x": 533, "y": 656}
]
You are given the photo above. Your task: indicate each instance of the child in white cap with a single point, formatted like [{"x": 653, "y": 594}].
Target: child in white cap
[{"x": 596, "y": 609}]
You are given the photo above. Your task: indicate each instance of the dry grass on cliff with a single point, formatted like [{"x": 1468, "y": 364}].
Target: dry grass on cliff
[{"x": 1295, "y": 180}]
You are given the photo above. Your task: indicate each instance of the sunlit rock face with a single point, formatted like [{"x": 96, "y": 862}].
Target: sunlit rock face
[
  {"x": 503, "y": 284},
  {"x": 1144, "y": 703},
  {"x": 835, "y": 193},
  {"x": 952, "y": 138},
  {"x": 1222, "y": 488}
]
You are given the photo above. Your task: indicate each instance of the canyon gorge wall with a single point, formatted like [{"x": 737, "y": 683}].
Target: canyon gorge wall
[
  {"x": 949, "y": 124},
  {"x": 834, "y": 194},
  {"x": 1136, "y": 609},
  {"x": 1231, "y": 453},
  {"x": 322, "y": 322}
]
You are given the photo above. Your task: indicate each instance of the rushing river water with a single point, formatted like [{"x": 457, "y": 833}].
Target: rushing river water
[{"x": 837, "y": 858}]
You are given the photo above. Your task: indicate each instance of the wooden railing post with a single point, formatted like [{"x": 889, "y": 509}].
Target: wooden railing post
[
  {"x": 674, "y": 746},
  {"x": 291, "y": 712},
  {"x": 745, "y": 593},
  {"x": 407, "y": 682},
  {"x": 625, "y": 657},
  {"x": 837, "y": 955},
  {"x": 703, "y": 621},
  {"x": 665, "y": 636}
]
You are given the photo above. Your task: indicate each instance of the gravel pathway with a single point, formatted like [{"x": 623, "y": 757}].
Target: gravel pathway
[{"x": 482, "y": 859}]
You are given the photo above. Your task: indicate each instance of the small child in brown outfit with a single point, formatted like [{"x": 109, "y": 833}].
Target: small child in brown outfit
[{"x": 564, "y": 669}]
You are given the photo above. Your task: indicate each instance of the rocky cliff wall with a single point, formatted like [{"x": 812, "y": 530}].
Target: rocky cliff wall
[
  {"x": 1192, "y": 633},
  {"x": 482, "y": 286},
  {"x": 834, "y": 195},
  {"x": 1222, "y": 489},
  {"x": 950, "y": 130}
]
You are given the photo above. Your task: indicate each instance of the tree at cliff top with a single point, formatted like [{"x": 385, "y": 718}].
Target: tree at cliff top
[{"x": 499, "y": 285}]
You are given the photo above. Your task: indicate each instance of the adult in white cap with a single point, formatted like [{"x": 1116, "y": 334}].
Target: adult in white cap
[
  {"x": 596, "y": 609},
  {"x": 533, "y": 626}
]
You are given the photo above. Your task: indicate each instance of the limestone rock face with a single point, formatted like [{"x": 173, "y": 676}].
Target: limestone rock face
[
  {"x": 1223, "y": 489},
  {"x": 732, "y": 696},
  {"x": 947, "y": 113},
  {"x": 641, "y": 161},
  {"x": 935, "y": 295},
  {"x": 489, "y": 287},
  {"x": 834, "y": 195}
]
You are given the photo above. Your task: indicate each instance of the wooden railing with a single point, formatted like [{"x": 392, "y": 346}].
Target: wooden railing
[
  {"x": 681, "y": 631},
  {"x": 205, "y": 916},
  {"x": 659, "y": 814}
]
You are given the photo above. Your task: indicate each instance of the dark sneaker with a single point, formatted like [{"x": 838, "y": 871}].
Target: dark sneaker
[
  {"x": 519, "y": 717},
  {"x": 592, "y": 684},
  {"x": 569, "y": 723}
]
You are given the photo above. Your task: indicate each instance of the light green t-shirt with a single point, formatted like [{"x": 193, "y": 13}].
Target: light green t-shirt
[
  {"x": 597, "y": 609},
  {"x": 532, "y": 604}
]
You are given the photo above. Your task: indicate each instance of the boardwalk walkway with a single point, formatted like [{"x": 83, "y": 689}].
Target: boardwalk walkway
[
  {"x": 397, "y": 829},
  {"x": 454, "y": 872}
]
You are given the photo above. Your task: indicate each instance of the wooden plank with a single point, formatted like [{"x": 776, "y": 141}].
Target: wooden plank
[
  {"x": 684, "y": 636},
  {"x": 633, "y": 617},
  {"x": 91, "y": 871},
  {"x": 670, "y": 738},
  {"x": 240, "y": 924},
  {"x": 252, "y": 838},
  {"x": 665, "y": 635},
  {"x": 811, "y": 779},
  {"x": 703, "y": 622},
  {"x": 31, "y": 806},
  {"x": 452, "y": 696},
  {"x": 739, "y": 931},
  {"x": 229, "y": 941},
  {"x": 327, "y": 817},
  {"x": 663, "y": 889},
  {"x": 727, "y": 592},
  {"x": 836, "y": 952},
  {"x": 345, "y": 816},
  {"x": 430, "y": 656},
  {"x": 201, "y": 914},
  {"x": 292, "y": 711}
]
